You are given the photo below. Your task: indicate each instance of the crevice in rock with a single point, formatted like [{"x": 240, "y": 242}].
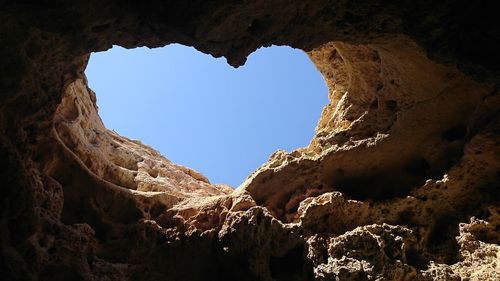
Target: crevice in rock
[
  {"x": 441, "y": 240},
  {"x": 291, "y": 266}
]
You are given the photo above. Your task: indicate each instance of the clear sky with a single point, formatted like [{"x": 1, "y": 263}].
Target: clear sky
[{"x": 202, "y": 113}]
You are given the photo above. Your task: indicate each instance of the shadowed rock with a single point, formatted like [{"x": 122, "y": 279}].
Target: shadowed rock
[{"x": 400, "y": 182}]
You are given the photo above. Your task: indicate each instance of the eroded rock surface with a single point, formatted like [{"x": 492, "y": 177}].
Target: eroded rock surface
[{"x": 400, "y": 182}]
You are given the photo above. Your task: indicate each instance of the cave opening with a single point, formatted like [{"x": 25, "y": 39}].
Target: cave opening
[{"x": 200, "y": 112}]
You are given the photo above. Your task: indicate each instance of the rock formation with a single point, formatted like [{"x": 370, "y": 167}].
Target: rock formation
[{"x": 400, "y": 182}]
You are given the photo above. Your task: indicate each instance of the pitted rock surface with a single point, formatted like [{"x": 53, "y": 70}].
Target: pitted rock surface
[{"x": 400, "y": 182}]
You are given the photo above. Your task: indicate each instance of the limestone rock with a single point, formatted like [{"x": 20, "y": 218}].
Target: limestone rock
[{"x": 400, "y": 182}]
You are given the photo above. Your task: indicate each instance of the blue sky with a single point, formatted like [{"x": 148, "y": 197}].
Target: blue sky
[{"x": 202, "y": 113}]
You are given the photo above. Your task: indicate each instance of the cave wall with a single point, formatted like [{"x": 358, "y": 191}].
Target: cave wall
[{"x": 400, "y": 182}]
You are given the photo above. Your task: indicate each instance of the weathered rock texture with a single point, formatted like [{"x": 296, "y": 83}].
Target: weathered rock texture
[{"x": 401, "y": 181}]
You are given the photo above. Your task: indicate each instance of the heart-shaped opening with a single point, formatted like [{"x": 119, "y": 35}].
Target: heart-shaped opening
[{"x": 202, "y": 113}]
